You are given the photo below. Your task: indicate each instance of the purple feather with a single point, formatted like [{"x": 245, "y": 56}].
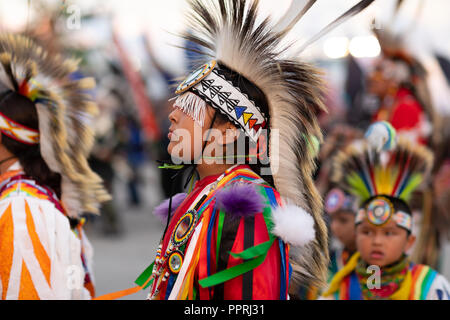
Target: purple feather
[
  {"x": 240, "y": 200},
  {"x": 161, "y": 211}
]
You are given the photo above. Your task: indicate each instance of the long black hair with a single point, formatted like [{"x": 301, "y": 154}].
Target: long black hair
[{"x": 23, "y": 111}]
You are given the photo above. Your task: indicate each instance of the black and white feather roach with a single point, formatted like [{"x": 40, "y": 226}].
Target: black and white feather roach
[
  {"x": 65, "y": 111},
  {"x": 231, "y": 32}
]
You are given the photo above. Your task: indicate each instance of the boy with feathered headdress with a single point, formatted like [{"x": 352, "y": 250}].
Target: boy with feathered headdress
[{"x": 383, "y": 181}]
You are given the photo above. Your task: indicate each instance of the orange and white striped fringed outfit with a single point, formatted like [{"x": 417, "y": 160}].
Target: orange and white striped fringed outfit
[{"x": 41, "y": 257}]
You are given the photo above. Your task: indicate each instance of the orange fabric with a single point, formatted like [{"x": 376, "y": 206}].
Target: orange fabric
[
  {"x": 27, "y": 290},
  {"x": 90, "y": 287},
  {"x": 415, "y": 275},
  {"x": 6, "y": 248},
  {"x": 118, "y": 294},
  {"x": 202, "y": 271},
  {"x": 122, "y": 293},
  {"x": 343, "y": 291},
  {"x": 39, "y": 251},
  {"x": 9, "y": 174},
  {"x": 198, "y": 253}
]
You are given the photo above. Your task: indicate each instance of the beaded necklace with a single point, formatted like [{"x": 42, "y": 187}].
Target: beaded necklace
[
  {"x": 391, "y": 279},
  {"x": 172, "y": 260}
]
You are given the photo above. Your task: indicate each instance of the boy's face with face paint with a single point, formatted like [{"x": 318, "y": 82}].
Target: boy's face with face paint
[{"x": 382, "y": 245}]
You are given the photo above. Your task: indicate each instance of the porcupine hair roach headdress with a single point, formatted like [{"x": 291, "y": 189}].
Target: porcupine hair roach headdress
[
  {"x": 64, "y": 110},
  {"x": 239, "y": 45},
  {"x": 383, "y": 181}
]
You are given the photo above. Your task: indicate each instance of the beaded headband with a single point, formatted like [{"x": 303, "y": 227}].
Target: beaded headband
[
  {"x": 209, "y": 84},
  {"x": 337, "y": 200},
  {"x": 380, "y": 211},
  {"x": 17, "y": 131}
]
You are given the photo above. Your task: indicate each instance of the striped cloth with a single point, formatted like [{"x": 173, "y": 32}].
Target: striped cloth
[
  {"x": 218, "y": 233},
  {"x": 421, "y": 283},
  {"x": 41, "y": 257}
]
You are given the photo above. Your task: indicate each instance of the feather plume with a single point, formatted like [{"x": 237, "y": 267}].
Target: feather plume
[
  {"x": 357, "y": 8},
  {"x": 366, "y": 172},
  {"x": 240, "y": 200},
  {"x": 64, "y": 111},
  {"x": 293, "y": 224},
  {"x": 298, "y": 9},
  {"x": 161, "y": 211}
]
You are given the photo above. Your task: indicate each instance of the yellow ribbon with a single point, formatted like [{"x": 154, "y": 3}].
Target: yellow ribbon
[
  {"x": 341, "y": 274},
  {"x": 401, "y": 294},
  {"x": 405, "y": 288}
]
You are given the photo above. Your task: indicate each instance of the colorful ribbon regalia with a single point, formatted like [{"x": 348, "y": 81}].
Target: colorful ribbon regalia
[
  {"x": 221, "y": 243},
  {"x": 384, "y": 182},
  {"x": 44, "y": 253},
  {"x": 238, "y": 235}
]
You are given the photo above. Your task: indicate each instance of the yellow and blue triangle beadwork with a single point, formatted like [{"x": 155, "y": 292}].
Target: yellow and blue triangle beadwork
[{"x": 209, "y": 84}]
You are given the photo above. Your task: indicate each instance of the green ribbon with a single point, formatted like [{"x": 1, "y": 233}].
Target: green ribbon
[
  {"x": 171, "y": 166},
  {"x": 255, "y": 251},
  {"x": 267, "y": 215},
  {"x": 254, "y": 256},
  {"x": 219, "y": 234},
  {"x": 232, "y": 272},
  {"x": 144, "y": 276}
]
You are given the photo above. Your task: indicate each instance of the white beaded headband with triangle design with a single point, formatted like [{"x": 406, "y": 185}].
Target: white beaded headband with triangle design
[{"x": 207, "y": 83}]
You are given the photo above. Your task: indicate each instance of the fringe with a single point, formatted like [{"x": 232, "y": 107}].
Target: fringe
[{"x": 193, "y": 106}]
